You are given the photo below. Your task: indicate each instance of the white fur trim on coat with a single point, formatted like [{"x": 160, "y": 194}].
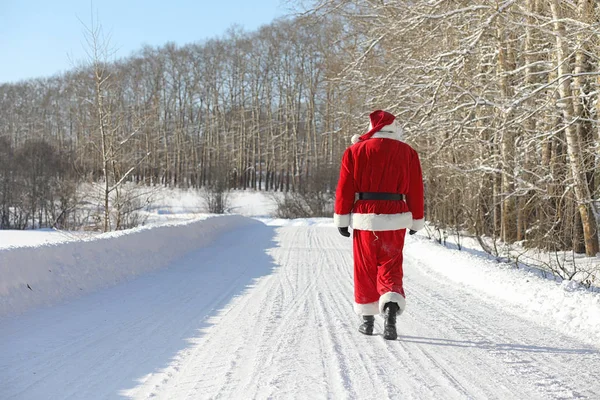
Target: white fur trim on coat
[
  {"x": 417, "y": 224},
  {"x": 367, "y": 309},
  {"x": 395, "y": 297},
  {"x": 392, "y": 131},
  {"x": 341, "y": 221},
  {"x": 382, "y": 222}
]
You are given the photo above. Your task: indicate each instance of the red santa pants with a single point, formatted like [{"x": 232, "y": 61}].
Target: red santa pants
[{"x": 378, "y": 270}]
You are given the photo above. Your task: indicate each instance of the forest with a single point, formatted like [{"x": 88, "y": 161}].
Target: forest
[{"x": 499, "y": 98}]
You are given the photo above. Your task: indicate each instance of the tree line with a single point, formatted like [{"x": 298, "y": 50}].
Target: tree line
[
  {"x": 500, "y": 99},
  {"x": 249, "y": 110}
]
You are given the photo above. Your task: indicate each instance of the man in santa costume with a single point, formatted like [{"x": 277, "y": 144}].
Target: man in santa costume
[{"x": 379, "y": 194}]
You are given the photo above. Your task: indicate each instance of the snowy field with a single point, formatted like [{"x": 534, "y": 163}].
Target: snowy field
[
  {"x": 168, "y": 205},
  {"x": 248, "y": 306}
]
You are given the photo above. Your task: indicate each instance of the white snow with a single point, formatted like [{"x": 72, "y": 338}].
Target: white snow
[
  {"x": 44, "y": 274},
  {"x": 58, "y": 264},
  {"x": 14, "y": 238},
  {"x": 198, "y": 306},
  {"x": 181, "y": 204},
  {"x": 564, "y": 305},
  {"x": 167, "y": 205},
  {"x": 251, "y": 203}
]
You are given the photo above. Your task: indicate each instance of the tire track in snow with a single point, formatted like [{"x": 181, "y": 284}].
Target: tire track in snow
[
  {"x": 314, "y": 344},
  {"x": 473, "y": 321},
  {"x": 307, "y": 343},
  {"x": 287, "y": 299}
]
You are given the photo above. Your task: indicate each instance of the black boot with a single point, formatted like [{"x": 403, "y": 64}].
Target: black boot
[
  {"x": 390, "y": 310},
  {"x": 367, "y": 326}
]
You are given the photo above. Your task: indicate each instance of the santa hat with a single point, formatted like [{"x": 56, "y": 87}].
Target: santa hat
[{"x": 379, "y": 119}]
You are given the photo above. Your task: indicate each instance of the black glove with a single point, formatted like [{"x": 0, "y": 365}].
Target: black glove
[
  {"x": 344, "y": 231},
  {"x": 411, "y": 232}
]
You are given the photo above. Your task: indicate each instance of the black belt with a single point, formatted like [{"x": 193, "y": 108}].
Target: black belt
[{"x": 380, "y": 196}]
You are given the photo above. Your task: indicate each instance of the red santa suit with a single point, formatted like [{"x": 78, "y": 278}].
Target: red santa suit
[{"x": 379, "y": 161}]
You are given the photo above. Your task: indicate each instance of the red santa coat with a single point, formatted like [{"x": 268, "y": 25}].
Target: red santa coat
[
  {"x": 379, "y": 162},
  {"x": 382, "y": 163}
]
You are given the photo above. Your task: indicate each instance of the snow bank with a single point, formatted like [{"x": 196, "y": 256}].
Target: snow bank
[
  {"x": 562, "y": 305},
  {"x": 18, "y": 238},
  {"x": 45, "y": 274}
]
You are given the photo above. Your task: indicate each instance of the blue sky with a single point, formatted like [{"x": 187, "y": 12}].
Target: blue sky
[{"x": 40, "y": 38}]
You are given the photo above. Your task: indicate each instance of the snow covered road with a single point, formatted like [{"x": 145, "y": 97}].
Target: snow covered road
[{"x": 266, "y": 312}]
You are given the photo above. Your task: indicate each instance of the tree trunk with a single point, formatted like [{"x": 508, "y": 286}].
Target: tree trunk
[
  {"x": 576, "y": 159},
  {"x": 507, "y": 151}
]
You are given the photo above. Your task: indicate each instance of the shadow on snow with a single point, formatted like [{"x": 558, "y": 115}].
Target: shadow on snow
[
  {"x": 217, "y": 274},
  {"x": 487, "y": 345}
]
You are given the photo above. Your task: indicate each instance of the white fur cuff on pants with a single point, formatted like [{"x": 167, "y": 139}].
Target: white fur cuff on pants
[
  {"x": 367, "y": 309},
  {"x": 392, "y": 296}
]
